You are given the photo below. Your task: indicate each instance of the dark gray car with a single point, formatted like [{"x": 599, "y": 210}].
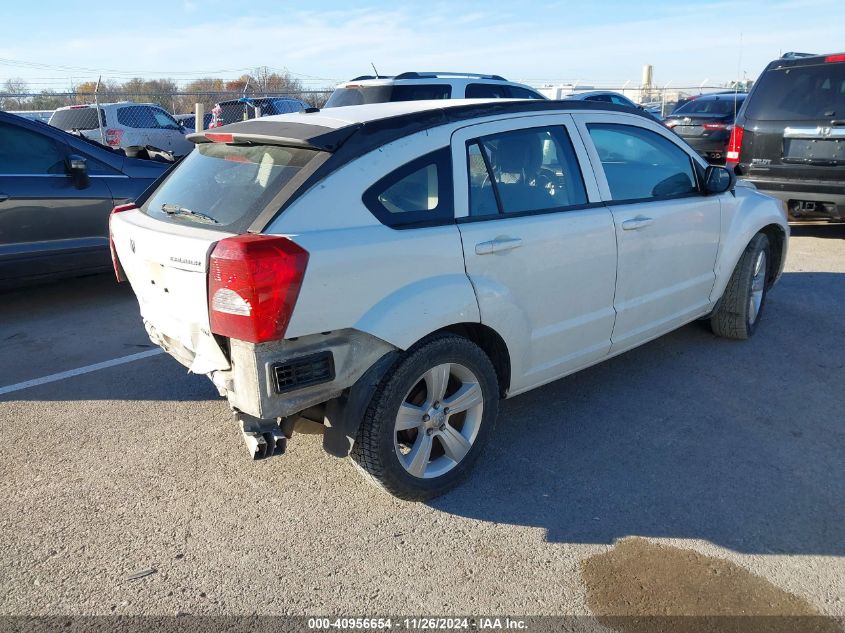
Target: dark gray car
[{"x": 56, "y": 193}]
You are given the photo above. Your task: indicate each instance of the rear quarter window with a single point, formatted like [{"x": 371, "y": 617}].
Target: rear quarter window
[
  {"x": 799, "y": 93},
  {"x": 419, "y": 193}
]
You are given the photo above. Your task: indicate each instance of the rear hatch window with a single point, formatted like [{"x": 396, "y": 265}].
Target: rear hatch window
[
  {"x": 77, "y": 119},
  {"x": 799, "y": 93},
  {"x": 711, "y": 107},
  {"x": 225, "y": 187}
]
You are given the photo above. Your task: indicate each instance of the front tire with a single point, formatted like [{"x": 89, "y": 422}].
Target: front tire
[
  {"x": 429, "y": 420},
  {"x": 741, "y": 306}
]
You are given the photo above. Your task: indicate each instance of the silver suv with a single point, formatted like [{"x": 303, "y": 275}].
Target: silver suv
[{"x": 418, "y": 86}]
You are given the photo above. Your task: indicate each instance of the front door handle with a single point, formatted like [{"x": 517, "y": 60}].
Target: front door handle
[
  {"x": 498, "y": 245},
  {"x": 637, "y": 223}
]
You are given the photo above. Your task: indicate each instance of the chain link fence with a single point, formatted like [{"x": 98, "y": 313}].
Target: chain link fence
[
  {"x": 161, "y": 118},
  {"x": 155, "y": 119}
]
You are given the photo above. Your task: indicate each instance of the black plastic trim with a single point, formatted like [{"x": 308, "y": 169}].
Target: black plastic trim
[{"x": 320, "y": 358}]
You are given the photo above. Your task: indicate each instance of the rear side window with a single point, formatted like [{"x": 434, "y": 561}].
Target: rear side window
[
  {"x": 421, "y": 92},
  {"x": 145, "y": 117},
  {"x": 640, "y": 164},
  {"x": 77, "y": 119},
  {"x": 26, "y": 152},
  {"x": 417, "y": 194},
  {"x": 524, "y": 171},
  {"x": 487, "y": 91},
  {"x": 799, "y": 93},
  {"x": 226, "y": 185}
]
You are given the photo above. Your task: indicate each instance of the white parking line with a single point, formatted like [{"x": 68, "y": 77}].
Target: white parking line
[{"x": 35, "y": 382}]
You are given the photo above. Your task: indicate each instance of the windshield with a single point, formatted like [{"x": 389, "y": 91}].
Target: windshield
[
  {"x": 799, "y": 93},
  {"x": 225, "y": 185},
  {"x": 720, "y": 106}
]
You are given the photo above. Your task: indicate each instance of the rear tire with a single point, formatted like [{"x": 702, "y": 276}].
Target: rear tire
[
  {"x": 742, "y": 303},
  {"x": 429, "y": 420}
]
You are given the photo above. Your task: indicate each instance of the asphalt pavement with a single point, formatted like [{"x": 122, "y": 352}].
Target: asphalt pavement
[{"x": 127, "y": 490}]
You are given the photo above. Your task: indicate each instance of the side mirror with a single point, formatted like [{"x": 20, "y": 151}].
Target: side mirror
[
  {"x": 718, "y": 179},
  {"x": 77, "y": 169}
]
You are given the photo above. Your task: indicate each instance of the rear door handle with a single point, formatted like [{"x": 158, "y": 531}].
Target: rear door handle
[
  {"x": 637, "y": 223},
  {"x": 498, "y": 245}
]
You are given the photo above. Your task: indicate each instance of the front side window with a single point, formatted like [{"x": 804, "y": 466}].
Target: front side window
[
  {"x": 164, "y": 120},
  {"x": 640, "y": 164},
  {"x": 518, "y": 92},
  {"x": 418, "y": 193},
  {"x": 524, "y": 171},
  {"x": 26, "y": 152}
]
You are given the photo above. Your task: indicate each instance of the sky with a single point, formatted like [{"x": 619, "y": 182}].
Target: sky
[{"x": 604, "y": 43}]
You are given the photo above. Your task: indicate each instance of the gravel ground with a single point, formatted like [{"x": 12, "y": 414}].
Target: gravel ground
[{"x": 733, "y": 450}]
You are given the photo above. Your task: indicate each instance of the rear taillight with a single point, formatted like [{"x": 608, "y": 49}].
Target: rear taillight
[
  {"x": 113, "y": 137},
  {"x": 253, "y": 283},
  {"x": 835, "y": 58},
  {"x": 734, "y": 146},
  {"x": 115, "y": 262}
]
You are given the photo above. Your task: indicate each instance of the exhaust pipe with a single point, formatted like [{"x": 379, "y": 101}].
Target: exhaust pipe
[{"x": 263, "y": 438}]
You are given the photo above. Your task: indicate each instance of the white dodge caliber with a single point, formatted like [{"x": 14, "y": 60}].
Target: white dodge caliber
[{"x": 386, "y": 273}]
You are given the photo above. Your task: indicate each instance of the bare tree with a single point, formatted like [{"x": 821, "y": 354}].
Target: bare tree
[{"x": 14, "y": 89}]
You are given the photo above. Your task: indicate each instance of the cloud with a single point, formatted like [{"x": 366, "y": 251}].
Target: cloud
[{"x": 537, "y": 42}]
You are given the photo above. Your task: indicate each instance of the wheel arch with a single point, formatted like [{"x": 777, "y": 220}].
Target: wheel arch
[{"x": 492, "y": 344}]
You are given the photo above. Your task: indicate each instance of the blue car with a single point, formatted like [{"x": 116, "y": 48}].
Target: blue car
[{"x": 56, "y": 193}]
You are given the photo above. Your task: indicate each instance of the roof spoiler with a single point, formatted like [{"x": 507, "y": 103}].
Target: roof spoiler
[{"x": 285, "y": 133}]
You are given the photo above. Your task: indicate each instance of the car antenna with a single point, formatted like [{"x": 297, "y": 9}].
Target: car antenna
[{"x": 374, "y": 69}]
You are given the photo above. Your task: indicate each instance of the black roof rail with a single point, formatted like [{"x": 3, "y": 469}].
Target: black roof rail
[
  {"x": 796, "y": 55},
  {"x": 435, "y": 74}
]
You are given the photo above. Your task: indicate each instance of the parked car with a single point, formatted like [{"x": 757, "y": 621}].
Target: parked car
[
  {"x": 125, "y": 124},
  {"x": 608, "y": 96},
  {"x": 789, "y": 136},
  {"x": 188, "y": 121},
  {"x": 56, "y": 193},
  {"x": 34, "y": 115},
  {"x": 246, "y": 108},
  {"x": 416, "y": 86},
  {"x": 390, "y": 271},
  {"x": 706, "y": 123}
]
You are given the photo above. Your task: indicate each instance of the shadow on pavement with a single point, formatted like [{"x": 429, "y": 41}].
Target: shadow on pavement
[{"x": 690, "y": 436}]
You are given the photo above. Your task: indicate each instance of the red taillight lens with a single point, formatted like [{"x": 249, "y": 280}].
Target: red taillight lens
[
  {"x": 115, "y": 262},
  {"x": 835, "y": 58},
  {"x": 253, "y": 284},
  {"x": 217, "y": 137},
  {"x": 734, "y": 146},
  {"x": 113, "y": 137}
]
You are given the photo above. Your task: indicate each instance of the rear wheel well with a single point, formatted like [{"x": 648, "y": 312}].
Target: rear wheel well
[
  {"x": 777, "y": 240},
  {"x": 492, "y": 344}
]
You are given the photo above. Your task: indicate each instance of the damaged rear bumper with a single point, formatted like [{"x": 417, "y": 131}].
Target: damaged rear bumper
[{"x": 282, "y": 378}]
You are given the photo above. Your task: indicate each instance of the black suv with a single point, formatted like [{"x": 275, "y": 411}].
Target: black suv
[{"x": 789, "y": 136}]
